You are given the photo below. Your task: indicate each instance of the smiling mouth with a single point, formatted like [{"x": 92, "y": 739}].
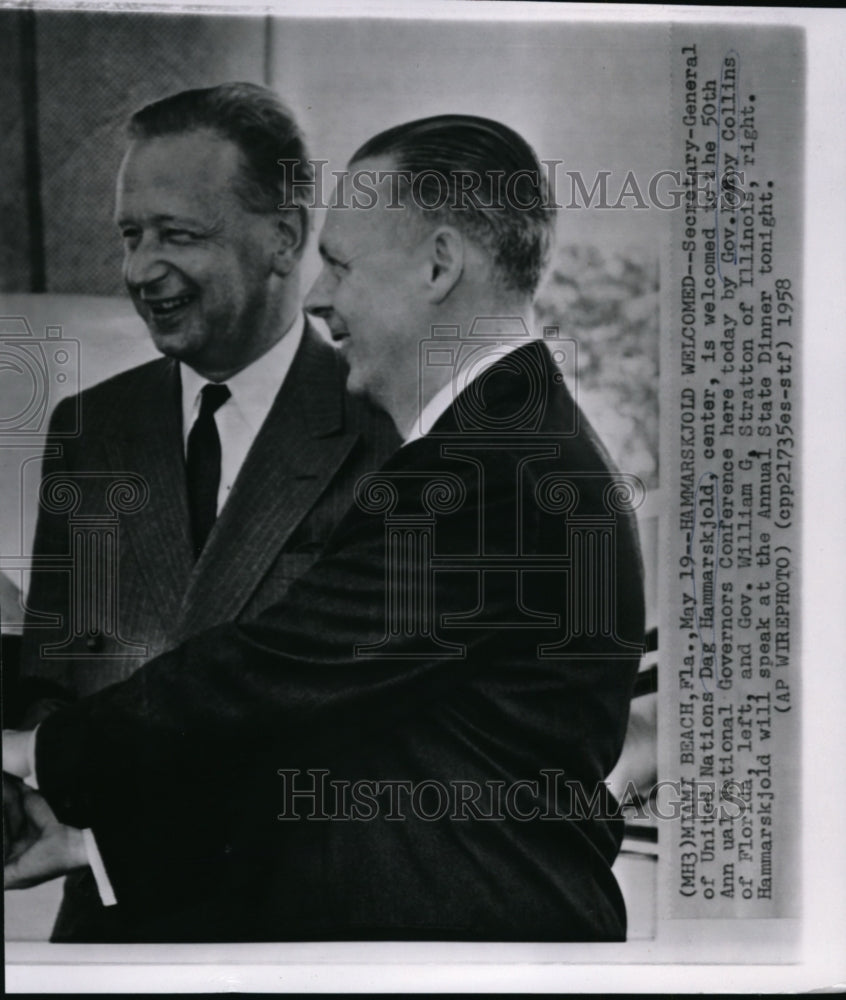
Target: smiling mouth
[{"x": 165, "y": 308}]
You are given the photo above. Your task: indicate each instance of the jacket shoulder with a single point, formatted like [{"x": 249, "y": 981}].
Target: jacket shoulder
[
  {"x": 118, "y": 396},
  {"x": 115, "y": 387}
]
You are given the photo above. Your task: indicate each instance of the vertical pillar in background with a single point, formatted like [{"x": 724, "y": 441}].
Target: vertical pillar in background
[
  {"x": 15, "y": 239},
  {"x": 32, "y": 152}
]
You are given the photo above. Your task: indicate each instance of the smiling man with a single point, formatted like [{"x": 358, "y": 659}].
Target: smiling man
[
  {"x": 212, "y": 271},
  {"x": 229, "y": 460},
  {"x": 411, "y": 743}
]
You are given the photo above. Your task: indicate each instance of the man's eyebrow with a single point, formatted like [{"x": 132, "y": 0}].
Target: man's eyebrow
[{"x": 185, "y": 220}]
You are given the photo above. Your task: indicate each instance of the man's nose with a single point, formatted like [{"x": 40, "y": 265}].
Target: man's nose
[
  {"x": 143, "y": 264},
  {"x": 318, "y": 301}
]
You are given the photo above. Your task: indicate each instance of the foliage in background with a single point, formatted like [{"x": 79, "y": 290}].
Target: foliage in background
[{"x": 608, "y": 303}]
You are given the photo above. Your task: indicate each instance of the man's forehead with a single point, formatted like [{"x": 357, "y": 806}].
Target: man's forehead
[
  {"x": 200, "y": 158},
  {"x": 359, "y": 211},
  {"x": 348, "y": 232},
  {"x": 341, "y": 226}
]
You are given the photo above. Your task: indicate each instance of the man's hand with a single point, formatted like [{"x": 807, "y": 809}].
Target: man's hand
[
  {"x": 45, "y": 849},
  {"x": 17, "y": 750}
]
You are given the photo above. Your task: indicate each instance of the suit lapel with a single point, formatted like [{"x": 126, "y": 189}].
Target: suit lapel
[
  {"x": 151, "y": 447},
  {"x": 296, "y": 454}
]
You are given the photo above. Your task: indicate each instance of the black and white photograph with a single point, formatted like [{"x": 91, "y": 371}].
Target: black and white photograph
[{"x": 413, "y": 546}]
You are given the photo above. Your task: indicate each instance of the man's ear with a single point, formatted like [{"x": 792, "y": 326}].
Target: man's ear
[
  {"x": 445, "y": 262},
  {"x": 289, "y": 236}
]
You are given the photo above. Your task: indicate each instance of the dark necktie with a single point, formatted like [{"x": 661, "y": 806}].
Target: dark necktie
[{"x": 203, "y": 465}]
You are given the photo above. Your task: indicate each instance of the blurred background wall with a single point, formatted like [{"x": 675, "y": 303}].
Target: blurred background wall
[
  {"x": 589, "y": 97},
  {"x": 70, "y": 82}
]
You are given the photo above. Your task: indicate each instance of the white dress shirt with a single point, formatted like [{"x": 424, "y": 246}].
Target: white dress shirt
[{"x": 238, "y": 420}]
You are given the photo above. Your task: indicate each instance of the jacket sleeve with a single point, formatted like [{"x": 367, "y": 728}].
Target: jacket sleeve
[
  {"x": 297, "y": 678},
  {"x": 148, "y": 763}
]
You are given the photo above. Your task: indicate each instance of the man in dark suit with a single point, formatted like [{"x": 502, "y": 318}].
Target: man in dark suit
[
  {"x": 213, "y": 233},
  {"x": 412, "y": 742}
]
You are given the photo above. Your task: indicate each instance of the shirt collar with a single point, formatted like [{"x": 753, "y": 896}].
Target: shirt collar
[
  {"x": 254, "y": 388},
  {"x": 447, "y": 394}
]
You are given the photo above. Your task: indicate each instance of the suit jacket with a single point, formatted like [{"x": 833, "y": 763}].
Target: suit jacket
[
  {"x": 122, "y": 481},
  {"x": 472, "y": 628},
  {"x": 119, "y": 487}
]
